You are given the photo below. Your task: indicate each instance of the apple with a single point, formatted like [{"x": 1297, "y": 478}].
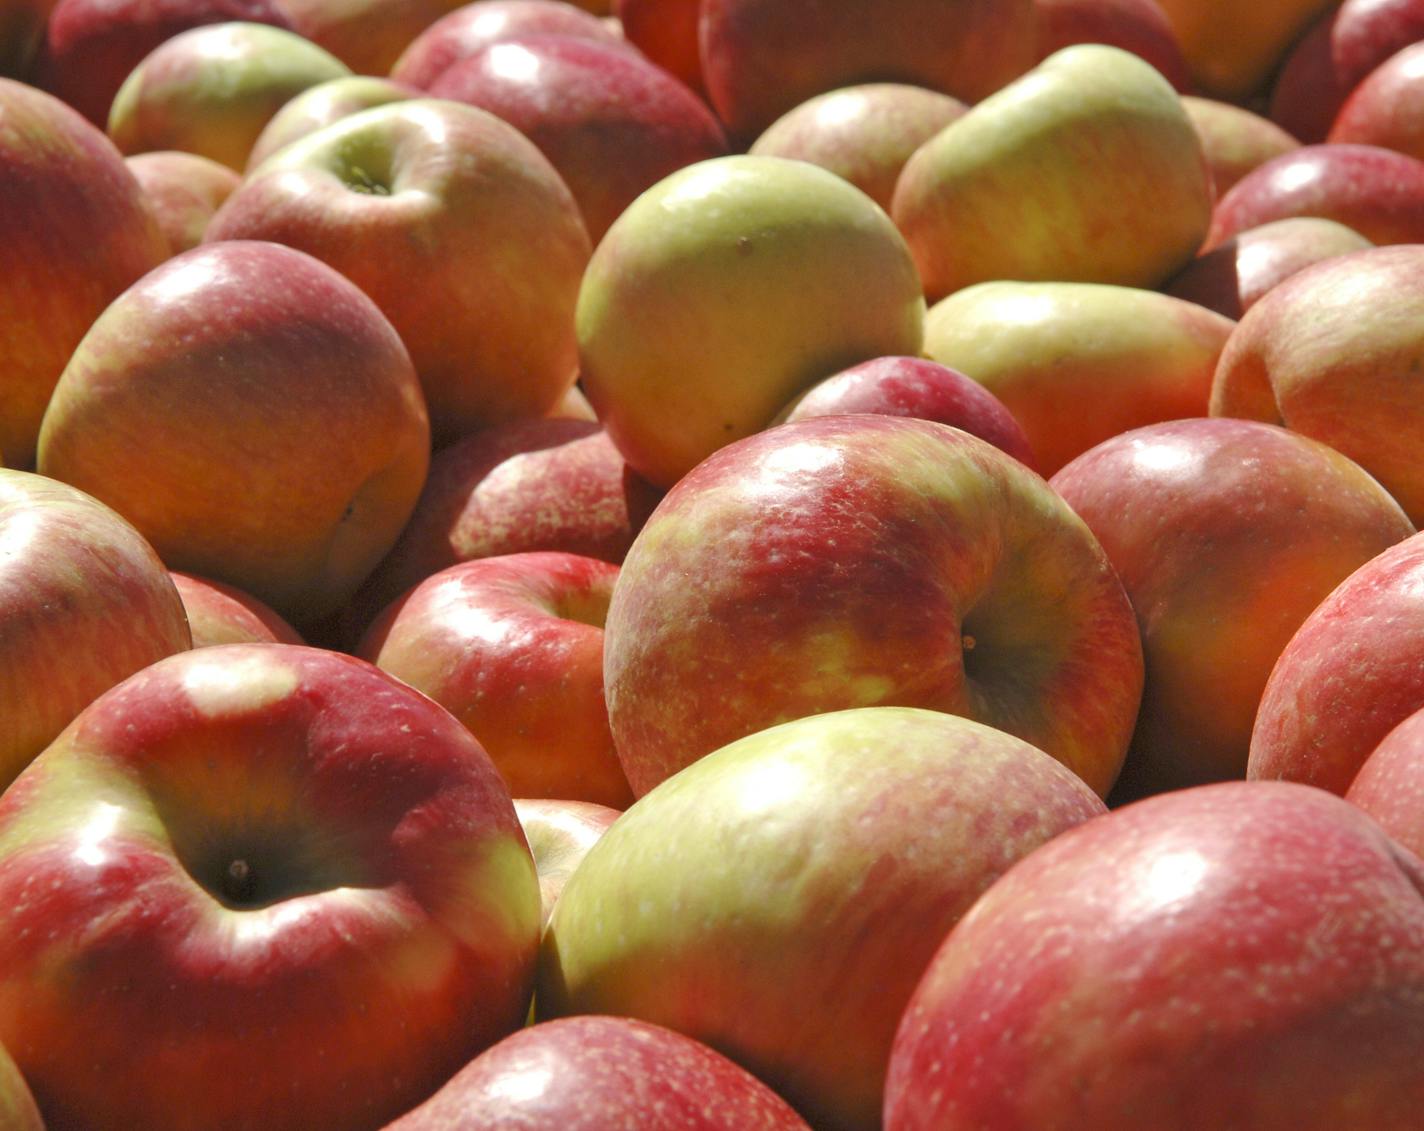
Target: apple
[
  {"x": 1235, "y": 140},
  {"x": 17, "y": 1106},
  {"x": 367, "y": 35},
  {"x": 597, "y": 1073},
  {"x": 1377, "y": 192},
  {"x": 1233, "y": 49},
  {"x": 611, "y": 123},
  {"x": 1244, "y": 954},
  {"x": 91, "y": 46},
  {"x": 280, "y": 889},
  {"x": 726, "y": 289},
  {"x": 84, "y": 603},
  {"x": 1389, "y": 782},
  {"x": 210, "y": 90},
  {"x": 254, "y": 415},
  {"x": 1387, "y": 107},
  {"x": 76, "y": 231},
  {"x": 666, "y": 32},
  {"x": 223, "y": 614},
  {"x": 1078, "y": 363},
  {"x": 1226, "y": 535},
  {"x": 1232, "y": 277},
  {"x": 512, "y": 646},
  {"x": 321, "y": 105},
  {"x": 865, "y": 560},
  {"x": 863, "y": 133},
  {"x": 183, "y": 191},
  {"x": 1014, "y": 188},
  {"x": 914, "y": 386},
  {"x": 1139, "y": 26},
  {"x": 1349, "y": 675},
  {"x": 1334, "y": 352},
  {"x": 560, "y": 833}
]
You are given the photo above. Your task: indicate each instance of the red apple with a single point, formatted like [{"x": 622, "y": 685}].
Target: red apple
[
  {"x": 321, "y": 105},
  {"x": 280, "y": 889},
  {"x": 183, "y": 191},
  {"x": 513, "y": 647},
  {"x": 1390, "y": 783},
  {"x": 666, "y": 32},
  {"x": 224, "y": 614},
  {"x": 367, "y": 35},
  {"x": 1234, "y": 140},
  {"x": 560, "y": 833},
  {"x": 1243, "y": 955},
  {"x": 850, "y": 561},
  {"x": 1139, "y": 26},
  {"x": 1387, "y": 107}
]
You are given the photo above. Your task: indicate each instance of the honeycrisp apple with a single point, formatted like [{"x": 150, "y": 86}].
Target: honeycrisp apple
[
  {"x": 224, "y": 614},
  {"x": 1232, "y": 49},
  {"x": 560, "y": 833},
  {"x": 259, "y": 886},
  {"x": 183, "y": 190},
  {"x": 1235, "y": 140},
  {"x": 1390, "y": 781},
  {"x": 1139, "y": 26},
  {"x": 1387, "y": 107},
  {"x": 321, "y": 105}
]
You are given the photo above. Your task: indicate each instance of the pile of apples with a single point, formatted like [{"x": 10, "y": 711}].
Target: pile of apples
[{"x": 711, "y": 564}]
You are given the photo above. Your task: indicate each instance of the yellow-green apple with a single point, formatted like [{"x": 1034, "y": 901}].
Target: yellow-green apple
[
  {"x": 915, "y": 386},
  {"x": 210, "y": 90},
  {"x": 17, "y": 1106},
  {"x": 183, "y": 191},
  {"x": 430, "y": 189},
  {"x": 512, "y": 646},
  {"x": 92, "y": 45},
  {"x": 726, "y": 289},
  {"x": 1343, "y": 45},
  {"x": 1244, "y": 954},
  {"x": 666, "y": 32},
  {"x": 321, "y": 105},
  {"x": 223, "y": 614},
  {"x": 762, "y": 57},
  {"x": 1390, "y": 783},
  {"x": 1334, "y": 352},
  {"x": 1234, "y": 139},
  {"x": 259, "y": 885},
  {"x": 1050, "y": 350},
  {"x": 1350, "y": 674},
  {"x": 1014, "y": 188},
  {"x": 254, "y": 415},
  {"x": 1226, "y": 535},
  {"x": 1232, "y": 277},
  {"x": 598, "y": 1073},
  {"x": 867, "y": 560},
  {"x": 1139, "y": 26},
  {"x": 863, "y": 133},
  {"x": 1378, "y": 192},
  {"x": 474, "y": 26},
  {"x": 1232, "y": 49},
  {"x": 1387, "y": 107},
  {"x": 76, "y": 231},
  {"x": 84, "y": 603},
  {"x": 610, "y": 122},
  {"x": 779, "y": 898},
  {"x": 560, "y": 833}
]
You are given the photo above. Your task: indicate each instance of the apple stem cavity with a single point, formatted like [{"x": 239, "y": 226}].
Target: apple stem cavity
[{"x": 239, "y": 883}]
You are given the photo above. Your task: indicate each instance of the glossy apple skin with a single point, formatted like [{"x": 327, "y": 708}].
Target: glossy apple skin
[
  {"x": 1387, "y": 107},
  {"x": 321, "y": 105},
  {"x": 850, "y": 561},
  {"x": 284, "y": 439},
  {"x": 1013, "y": 189},
  {"x": 560, "y": 833},
  {"x": 915, "y": 386},
  {"x": 1349, "y": 675},
  {"x": 716, "y": 906},
  {"x": 1047, "y": 350},
  {"x": 1250, "y": 959},
  {"x": 1226, "y": 535},
  {"x": 1139, "y": 26},
  {"x": 84, "y": 603},
  {"x": 183, "y": 191},
  {"x": 1334, "y": 352},
  {"x": 666, "y": 32},
  {"x": 77, "y": 231},
  {"x": 1232, "y": 277},
  {"x": 386, "y": 936},
  {"x": 1390, "y": 783},
  {"x": 1377, "y": 192},
  {"x": 1233, "y": 49},
  {"x": 224, "y": 614},
  {"x": 512, "y": 646},
  {"x": 210, "y": 90},
  {"x": 612, "y": 124},
  {"x": 1235, "y": 140},
  {"x": 864, "y": 133},
  {"x": 595, "y": 1073}
]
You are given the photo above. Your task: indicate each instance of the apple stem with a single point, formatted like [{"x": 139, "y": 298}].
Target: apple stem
[
  {"x": 967, "y": 642},
  {"x": 238, "y": 881}
]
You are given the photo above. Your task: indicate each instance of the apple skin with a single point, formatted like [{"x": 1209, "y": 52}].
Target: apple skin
[
  {"x": 449, "y": 194},
  {"x": 863, "y": 133},
  {"x": 1226, "y": 535},
  {"x": 1387, "y": 107},
  {"x": 17, "y": 1106},
  {"x": 666, "y": 32},
  {"x": 914, "y": 386},
  {"x": 726, "y": 289},
  {"x": 223, "y": 614},
  {"x": 84, "y": 603},
  {"x": 1232, "y": 277},
  {"x": 1047, "y": 350},
  {"x": 1013, "y": 189},
  {"x": 849, "y": 561},
  {"x": 1390, "y": 783},
  {"x": 1234, "y": 139},
  {"x": 1333, "y": 352},
  {"x": 384, "y": 933},
  {"x": 512, "y": 646},
  {"x": 1349, "y": 675},
  {"x": 723, "y": 878},
  {"x": 1232, "y": 49},
  {"x": 1250, "y": 959},
  {"x": 183, "y": 190},
  {"x": 22, "y": 30},
  {"x": 1139, "y": 26},
  {"x": 560, "y": 833},
  {"x": 1377, "y": 192},
  {"x": 596, "y": 1073},
  {"x": 611, "y": 123},
  {"x": 321, "y": 105},
  {"x": 76, "y": 231},
  {"x": 254, "y": 415}
]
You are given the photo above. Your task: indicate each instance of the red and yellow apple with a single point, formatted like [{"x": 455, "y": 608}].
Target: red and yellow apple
[
  {"x": 183, "y": 191},
  {"x": 223, "y": 614}
]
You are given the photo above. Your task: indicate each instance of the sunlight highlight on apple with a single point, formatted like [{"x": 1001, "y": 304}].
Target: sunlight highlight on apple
[{"x": 89, "y": 849}]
